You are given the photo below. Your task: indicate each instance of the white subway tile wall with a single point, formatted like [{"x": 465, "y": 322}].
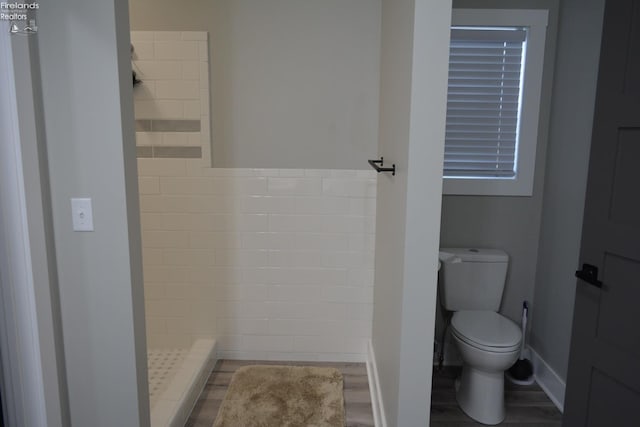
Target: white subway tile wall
[
  {"x": 274, "y": 263},
  {"x": 174, "y": 69}
]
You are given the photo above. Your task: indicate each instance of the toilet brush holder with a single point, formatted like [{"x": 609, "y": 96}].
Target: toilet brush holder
[{"x": 522, "y": 371}]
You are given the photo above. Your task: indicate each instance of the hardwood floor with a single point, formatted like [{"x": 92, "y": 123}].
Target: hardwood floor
[
  {"x": 527, "y": 406},
  {"x": 356, "y": 391}
]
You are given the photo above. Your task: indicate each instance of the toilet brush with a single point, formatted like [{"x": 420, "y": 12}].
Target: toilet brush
[{"x": 522, "y": 371}]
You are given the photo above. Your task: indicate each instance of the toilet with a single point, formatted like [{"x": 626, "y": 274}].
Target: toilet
[{"x": 471, "y": 285}]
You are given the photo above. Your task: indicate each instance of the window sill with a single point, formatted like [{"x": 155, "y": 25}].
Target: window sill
[{"x": 487, "y": 187}]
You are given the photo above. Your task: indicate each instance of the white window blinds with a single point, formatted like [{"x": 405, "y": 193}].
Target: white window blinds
[{"x": 483, "y": 103}]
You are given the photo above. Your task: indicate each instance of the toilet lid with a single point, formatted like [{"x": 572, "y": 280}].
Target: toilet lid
[{"x": 486, "y": 328}]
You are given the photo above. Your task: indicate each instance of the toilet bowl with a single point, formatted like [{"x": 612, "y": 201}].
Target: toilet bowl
[
  {"x": 489, "y": 344},
  {"x": 471, "y": 283}
]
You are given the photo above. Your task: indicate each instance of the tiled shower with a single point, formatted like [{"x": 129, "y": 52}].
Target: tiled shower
[
  {"x": 239, "y": 263},
  {"x": 171, "y": 99}
]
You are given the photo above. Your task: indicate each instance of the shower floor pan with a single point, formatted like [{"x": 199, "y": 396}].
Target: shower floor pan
[{"x": 176, "y": 379}]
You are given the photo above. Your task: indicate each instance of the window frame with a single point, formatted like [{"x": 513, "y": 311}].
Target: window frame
[{"x": 531, "y": 86}]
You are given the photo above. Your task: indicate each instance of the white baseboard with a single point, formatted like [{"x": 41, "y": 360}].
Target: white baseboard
[
  {"x": 379, "y": 416},
  {"x": 548, "y": 380}
]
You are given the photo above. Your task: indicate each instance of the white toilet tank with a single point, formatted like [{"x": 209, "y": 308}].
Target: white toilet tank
[{"x": 472, "y": 279}]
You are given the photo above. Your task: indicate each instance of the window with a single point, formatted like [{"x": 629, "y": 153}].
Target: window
[{"x": 493, "y": 103}]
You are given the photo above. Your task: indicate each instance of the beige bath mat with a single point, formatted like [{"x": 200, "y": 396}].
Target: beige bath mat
[{"x": 283, "y": 396}]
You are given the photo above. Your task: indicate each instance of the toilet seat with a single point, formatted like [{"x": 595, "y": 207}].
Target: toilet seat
[{"x": 486, "y": 330}]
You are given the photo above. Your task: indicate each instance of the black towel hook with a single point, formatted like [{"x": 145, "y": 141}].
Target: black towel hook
[{"x": 374, "y": 164}]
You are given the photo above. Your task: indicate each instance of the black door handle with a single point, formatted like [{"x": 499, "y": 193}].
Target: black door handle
[{"x": 589, "y": 274}]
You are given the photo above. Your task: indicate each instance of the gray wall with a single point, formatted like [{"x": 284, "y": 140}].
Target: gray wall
[
  {"x": 88, "y": 113},
  {"x": 294, "y": 83},
  {"x": 509, "y": 223},
  {"x": 415, "y": 40},
  {"x": 566, "y": 176}
]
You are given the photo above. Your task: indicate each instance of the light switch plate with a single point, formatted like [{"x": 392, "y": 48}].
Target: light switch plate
[{"x": 82, "y": 214}]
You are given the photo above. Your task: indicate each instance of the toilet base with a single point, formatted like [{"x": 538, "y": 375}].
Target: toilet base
[{"x": 480, "y": 394}]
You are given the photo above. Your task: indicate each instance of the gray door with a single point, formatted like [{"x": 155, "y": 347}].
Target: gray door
[{"x": 603, "y": 382}]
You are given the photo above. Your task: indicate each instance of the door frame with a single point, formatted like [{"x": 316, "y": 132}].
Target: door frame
[{"x": 33, "y": 375}]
